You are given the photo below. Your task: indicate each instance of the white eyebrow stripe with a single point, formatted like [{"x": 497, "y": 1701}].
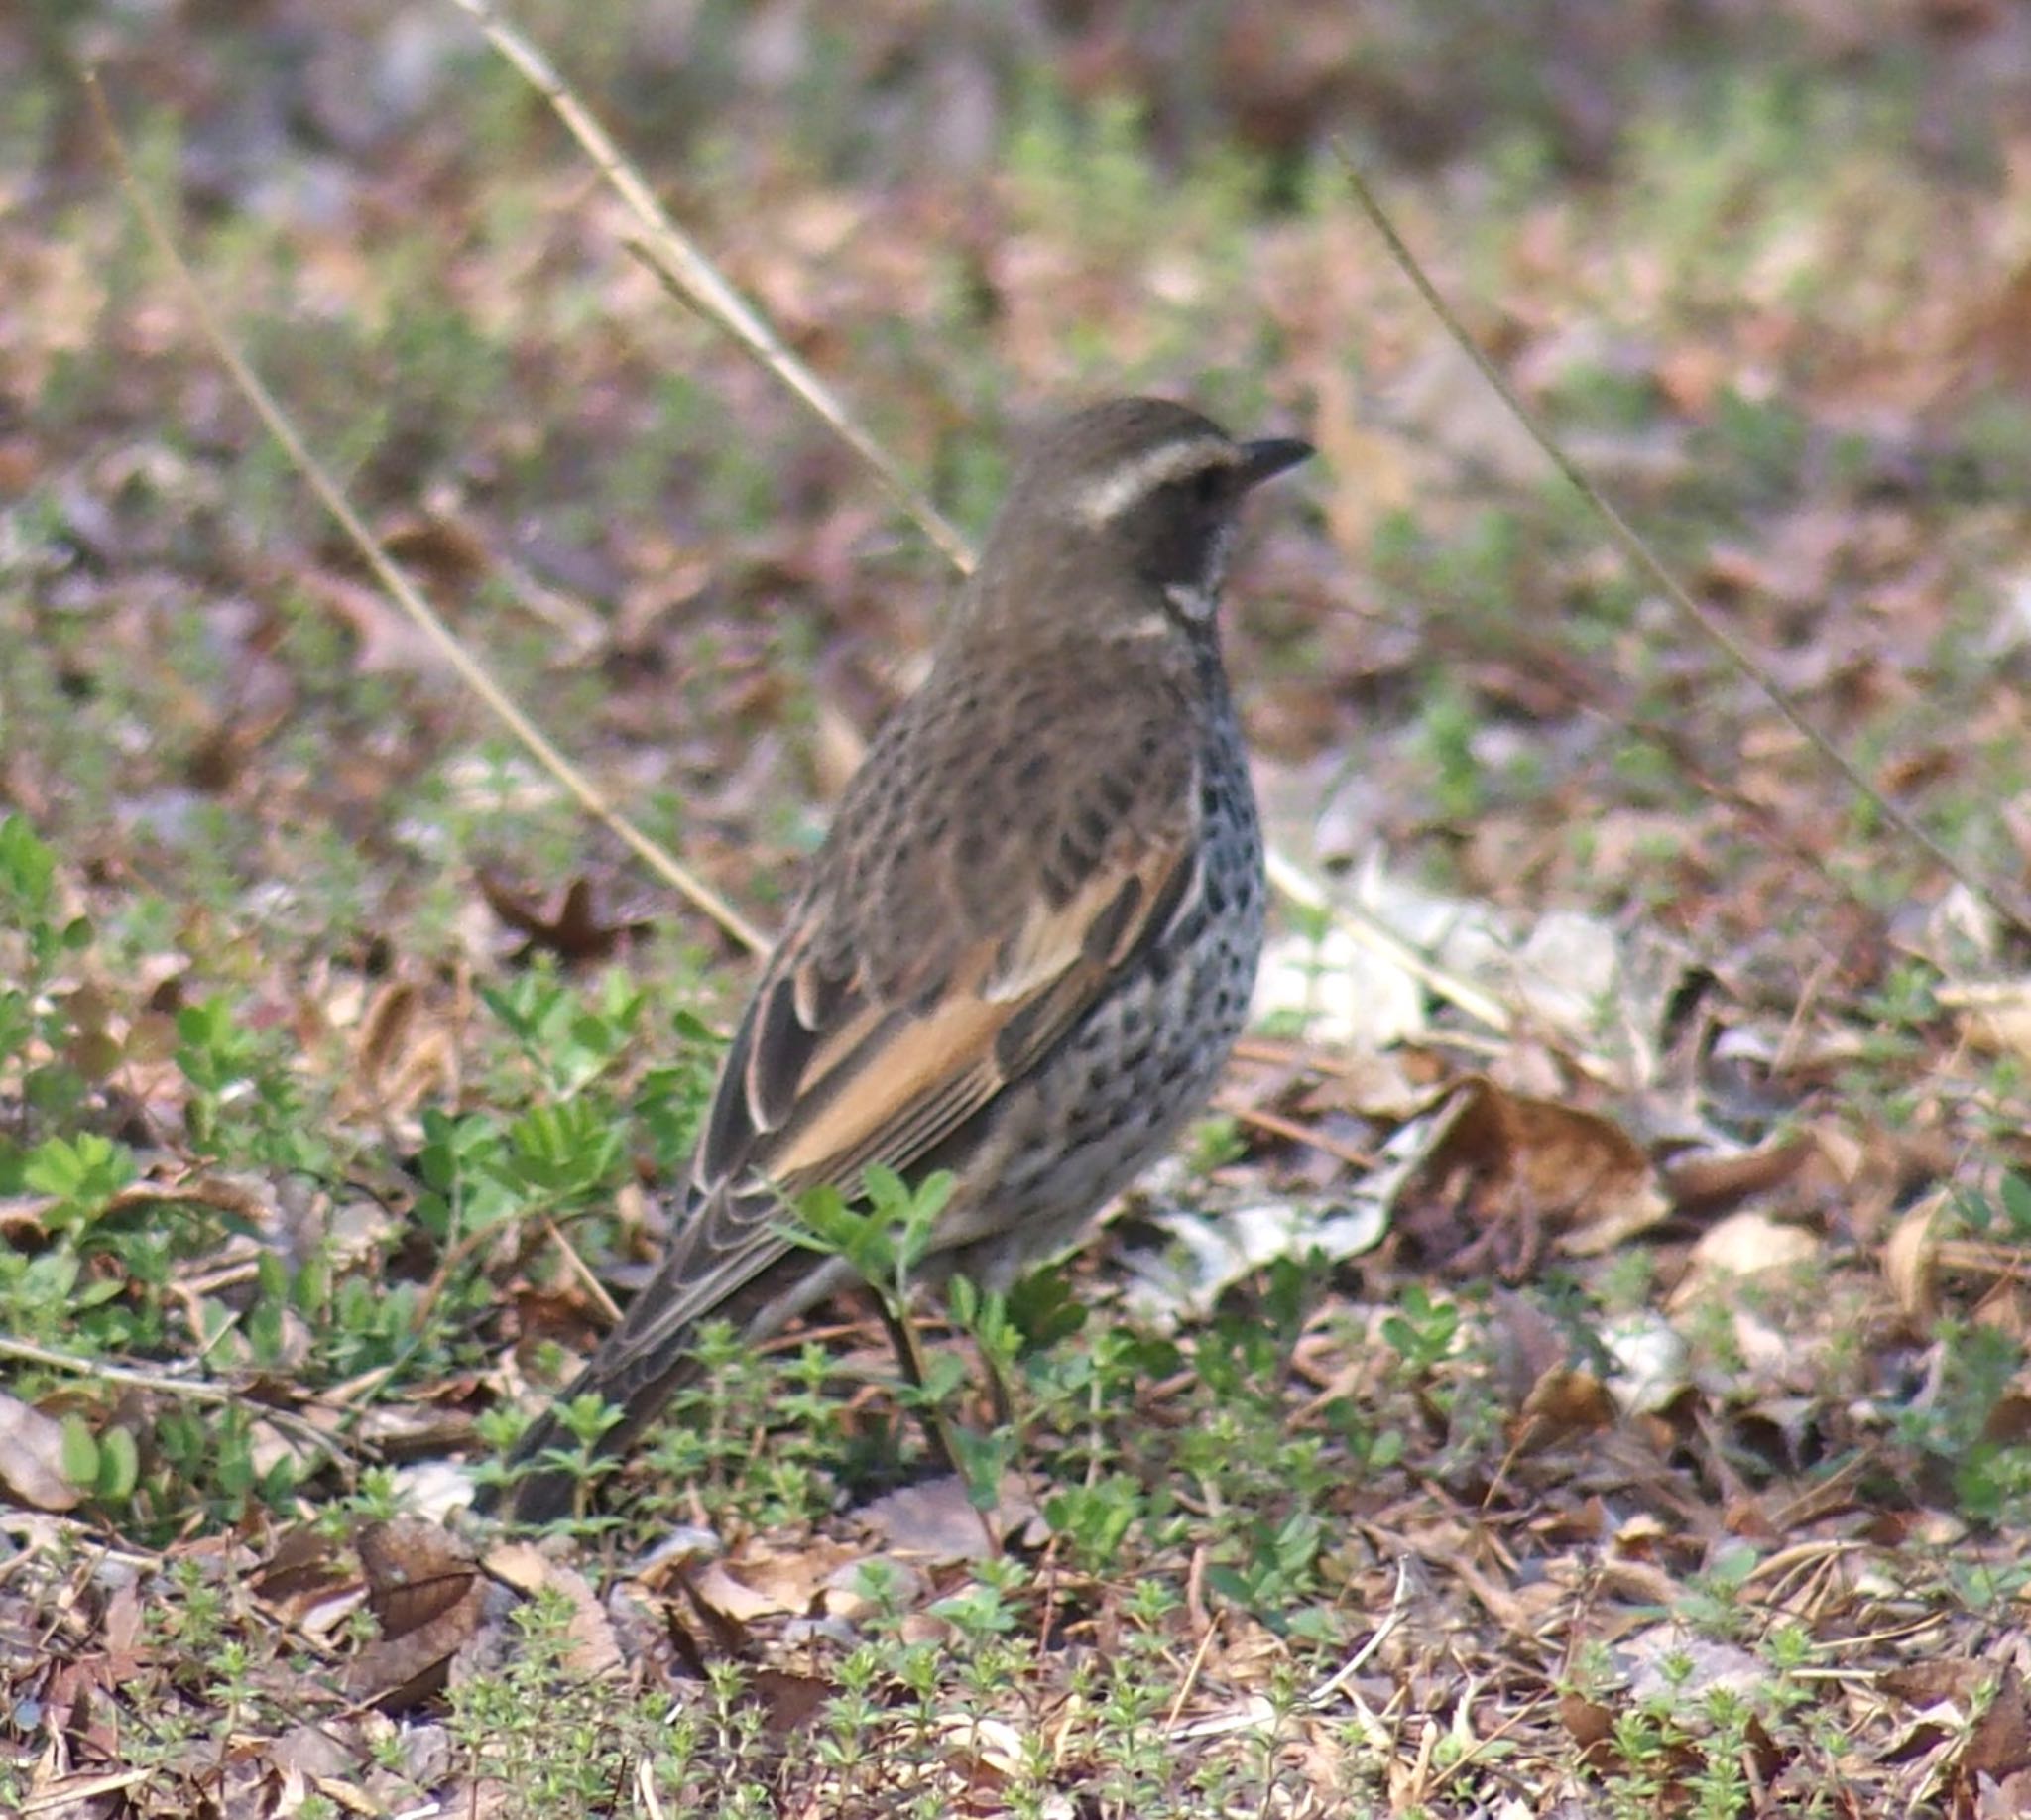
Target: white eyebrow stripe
[{"x": 1142, "y": 476}]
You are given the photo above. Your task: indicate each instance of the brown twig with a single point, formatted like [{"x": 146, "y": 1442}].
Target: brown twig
[
  {"x": 1293, "y": 1131},
  {"x": 1191, "y": 1676},
  {"x": 682, "y": 264},
  {"x": 468, "y": 669},
  {"x": 191, "y": 1390},
  {"x": 1646, "y": 561},
  {"x": 582, "y": 1271}
]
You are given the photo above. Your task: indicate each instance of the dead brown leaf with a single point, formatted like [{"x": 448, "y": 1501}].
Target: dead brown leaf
[
  {"x": 32, "y": 1458},
  {"x": 1994, "y": 1014},
  {"x": 308, "y": 1581},
  {"x": 1507, "y": 1173},
  {"x": 729, "y": 1597},
  {"x": 425, "y": 1589},
  {"x": 1747, "y": 1243},
  {"x": 406, "y": 1049},
  {"x": 1711, "y": 1184},
  {"x": 789, "y": 1701},
  {"x": 935, "y": 1521},
  {"x": 1562, "y": 1403},
  {"x": 573, "y": 930},
  {"x": 388, "y": 640},
  {"x": 1998, "y": 1746},
  {"x": 1910, "y": 1260}
]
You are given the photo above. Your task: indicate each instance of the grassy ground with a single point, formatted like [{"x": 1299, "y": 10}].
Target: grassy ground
[{"x": 1622, "y": 1408}]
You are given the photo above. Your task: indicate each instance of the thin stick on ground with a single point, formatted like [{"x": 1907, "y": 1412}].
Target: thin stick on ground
[
  {"x": 468, "y": 668},
  {"x": 190, "y": 1389},
  {"x": 1649, "y": 565},
  {"x": 677, "y": 259}
]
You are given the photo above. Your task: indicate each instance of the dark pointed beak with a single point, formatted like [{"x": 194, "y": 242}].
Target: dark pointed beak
[{"x": 1265, "y": 459}]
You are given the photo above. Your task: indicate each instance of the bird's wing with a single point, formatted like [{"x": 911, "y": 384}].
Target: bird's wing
[{"x": 864, "y": 1046}]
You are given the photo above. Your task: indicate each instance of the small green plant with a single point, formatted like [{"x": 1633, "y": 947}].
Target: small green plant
[
  {"x": 706, "y": 1442},
  {"x": 1978, "y": 1363},
  {"x": 107, "y": 1464},
  {"x": 1714, "y": 1604},
  {"x": 885, "y": 1240},
  {"x": 38, "y": 944},
  {"x": 82, "y": 1175},
  {"x": 1095, "y": 1519},
  {"x": 1761, "y": 442},
  {"x": 551, "y": 1739},
  {"x": 1423, "y": 1331},
  {"x": 244, "y": 1106},
  {"x": 585, "y": 1419},
  {"x": 567, "y": 1041},
  {"x": 1450, "y": 722},
  {"x": 2001, "y": 1218}
]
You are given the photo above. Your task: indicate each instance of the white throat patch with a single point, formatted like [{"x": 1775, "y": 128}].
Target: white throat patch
[{"x": 1108, "y": 498}]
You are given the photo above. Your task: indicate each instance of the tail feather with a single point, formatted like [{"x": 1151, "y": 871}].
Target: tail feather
[
  {"x": 644, "y": 1362},
  {"x": 534, "y": 1495}
]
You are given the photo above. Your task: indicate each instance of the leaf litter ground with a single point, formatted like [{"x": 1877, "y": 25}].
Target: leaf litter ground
[{"x": 1578, "y": 1371}]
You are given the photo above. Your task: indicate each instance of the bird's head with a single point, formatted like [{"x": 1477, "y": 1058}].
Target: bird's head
[{"x": 1130, "y": 491}]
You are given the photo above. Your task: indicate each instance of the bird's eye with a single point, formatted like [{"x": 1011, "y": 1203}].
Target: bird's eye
[{"x": 1207, "y": 485}]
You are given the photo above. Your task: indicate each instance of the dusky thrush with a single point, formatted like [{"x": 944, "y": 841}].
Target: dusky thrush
[{"x": 1028, "y": 942}]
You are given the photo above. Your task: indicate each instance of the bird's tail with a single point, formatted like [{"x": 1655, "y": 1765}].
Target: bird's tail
[
  {"x": 534, "y": 1493},
  {"x": 756, "y": 1285}
]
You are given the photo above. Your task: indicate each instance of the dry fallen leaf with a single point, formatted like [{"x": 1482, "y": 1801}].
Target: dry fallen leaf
[
  {"x": 573, "y": 930},
  {"x": 1563, "y": 1403},
  {"x": 1506, "y": 1172},
  {"x": 1998, "y": 1744},
  {"x": 592, "y": 1649},
  {"x": 1994, "y": 1014},
  {"x": 308, "y": 1581},
  {"x": 789, "y": 1701},
  {"x": 388, "y": 640},
  {"x": 1707, "y": 1182},
  {"x": 791, "y": 1576},
  {"x": 935, "y": 1523},
  {"x": 1349, "y": 998},
  {"x": 1911, "y": 1260},
  {"x": 720, "y": 1592},
  {"x": 32, "y": 1458},
  {"x": 425, "y": 1589},
  {"x": 401, "y": 1055},
  {"x": 1669, "y": 1662},
  {"x": 1747, "y": 1244}
]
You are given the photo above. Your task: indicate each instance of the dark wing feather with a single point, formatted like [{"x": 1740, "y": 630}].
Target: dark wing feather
[{"x": 965, "y": 959}]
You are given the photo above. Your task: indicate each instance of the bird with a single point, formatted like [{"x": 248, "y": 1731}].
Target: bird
[{"x": 1026, "y": 945}]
